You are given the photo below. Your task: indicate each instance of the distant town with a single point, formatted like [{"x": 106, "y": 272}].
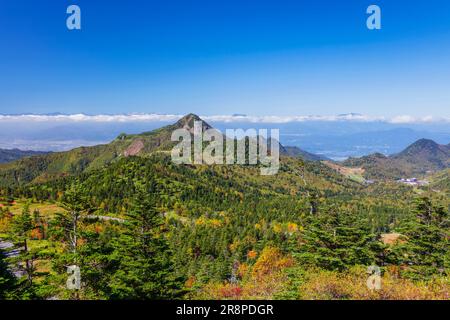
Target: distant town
[{"x": 413, "y": 182}]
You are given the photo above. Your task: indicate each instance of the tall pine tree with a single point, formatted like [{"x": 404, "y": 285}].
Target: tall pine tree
[
  {"x": 426, "y": 247},
  {"x": 146, "y": 270},
  {"x": 7, "y": 280},
  {"x": 336, "y": 240},
  {"x": 22, "y": 225}
]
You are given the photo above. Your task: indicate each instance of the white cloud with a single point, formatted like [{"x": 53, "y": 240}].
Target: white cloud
[
  {"x": 409, "y": 119},
  {"x": 287, "y": 119},
  {"x": 92, "y": 118},
  {"x": 151, "y": 117}
]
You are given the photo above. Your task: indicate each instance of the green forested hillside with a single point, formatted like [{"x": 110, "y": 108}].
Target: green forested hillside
[
  {"x": 55, "y": 165},
  {"x": 15, "y": 154},
  {"x": 141, "y": 227},
  {"x": 59, "y": 164},
  {"x": 418, "y": 159},
  {"x": 441, "y": 181}
]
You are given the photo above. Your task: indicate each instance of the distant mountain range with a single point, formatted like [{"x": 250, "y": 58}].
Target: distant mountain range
[
  {"x": 419, "y": 158},
  {"x": 422, "y": 157},
  {"x": 297, "y": 152},
  {"x": 8, "y": 155},
  {"x": 336, "y": 137},
  {"x": 325, "y": 141},
  {"x": 48, "y": 166},
  {"x": 341, "y": 145}
]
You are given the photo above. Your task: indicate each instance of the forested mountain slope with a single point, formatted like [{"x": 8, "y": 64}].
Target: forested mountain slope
[
  {"x": 9, "y": 155},
  {"x": 220, "y": 232},
  {"x": 46, "y": 167},
  {"x": 422, "y": 157}
]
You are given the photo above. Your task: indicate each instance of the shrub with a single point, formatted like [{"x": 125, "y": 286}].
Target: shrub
[{"x": 352, "y": 285}]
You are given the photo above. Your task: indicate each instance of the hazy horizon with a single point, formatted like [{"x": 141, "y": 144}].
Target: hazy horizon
[{"x": 337, "y": 137}]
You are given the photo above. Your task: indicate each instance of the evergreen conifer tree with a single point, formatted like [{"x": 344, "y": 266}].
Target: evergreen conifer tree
[
  {"x": 7, "y": 281},
  {"x": 336, "y": 240},
  {"x": 426, "y": 247},
  {"x": 146, "y": 270}
]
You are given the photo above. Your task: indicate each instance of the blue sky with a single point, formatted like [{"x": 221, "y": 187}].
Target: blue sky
[{"x": 224, "y": 57}]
